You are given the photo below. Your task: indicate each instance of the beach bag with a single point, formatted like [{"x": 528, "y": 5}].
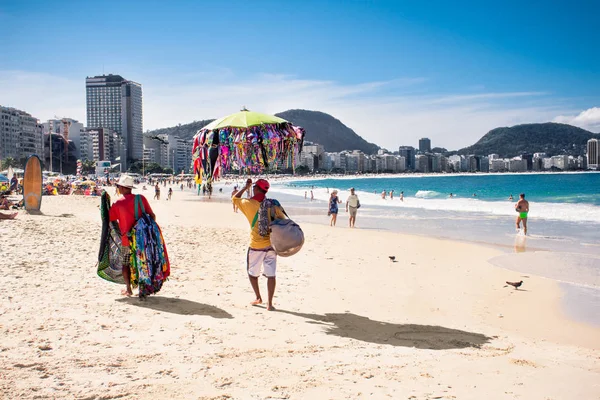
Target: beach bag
[
  {"x": 286, "y": 236},
  {"x": 150, "y": 265}
]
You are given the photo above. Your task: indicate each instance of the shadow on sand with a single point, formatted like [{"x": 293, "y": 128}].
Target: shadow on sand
[
  {"x": 177, "y": 306},
  {"x": 406, "y": 335}
]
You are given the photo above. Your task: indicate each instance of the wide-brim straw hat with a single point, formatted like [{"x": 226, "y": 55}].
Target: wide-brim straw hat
[{"x": 126, "y": 181}]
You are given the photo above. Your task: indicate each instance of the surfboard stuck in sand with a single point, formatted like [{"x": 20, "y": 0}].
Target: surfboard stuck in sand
[{"x": 32, "y": 184}]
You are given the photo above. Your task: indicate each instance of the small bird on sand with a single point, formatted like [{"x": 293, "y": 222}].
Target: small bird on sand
[
  {"x": 516, "y": 285},
  {"x": 392, "y": 258}
]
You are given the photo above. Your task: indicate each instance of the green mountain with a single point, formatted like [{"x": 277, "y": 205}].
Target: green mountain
[
  {"x": 320, "y": 128},
  {"x": 550, "y": 138},
  {"x": 326, "y": 130},
  {"x": 185, "y": 131}
]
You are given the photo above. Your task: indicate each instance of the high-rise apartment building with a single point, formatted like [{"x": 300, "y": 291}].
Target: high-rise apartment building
[
  {"x": 593, "y": 154},
  {"x": 20, "y": 134},
  {"x": 425, "y": 145},
  {"x": 408, "y": 152},
  {"x": 100, "y": 144},
  {"x": 116, "y": 103}
]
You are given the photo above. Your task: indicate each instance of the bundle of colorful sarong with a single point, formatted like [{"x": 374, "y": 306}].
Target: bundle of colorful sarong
[
  {"x": 252, "y": 149},
  {"x": 150, "y": 265}
]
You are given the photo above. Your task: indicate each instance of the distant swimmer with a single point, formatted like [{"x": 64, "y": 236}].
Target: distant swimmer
[
  {"x": 510, "y": 197},
  {"x": 522, "y": 207},
  {"x": 451, "y": 195},
  {"x": 474, "y": 194}
]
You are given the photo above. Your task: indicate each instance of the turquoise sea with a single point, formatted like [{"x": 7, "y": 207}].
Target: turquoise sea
[{"x": 563, "y": 240}]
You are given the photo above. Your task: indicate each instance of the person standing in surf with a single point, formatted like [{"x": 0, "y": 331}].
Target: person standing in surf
[
  {"x": 522, "y": 207},
  {"x": 123, "y": 210},
  {"x": 260, "y": 252}
]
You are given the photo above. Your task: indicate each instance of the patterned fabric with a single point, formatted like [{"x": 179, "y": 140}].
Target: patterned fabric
[
  {"x": 150, "y": 265},
  {"x": 110, "y": 256},
  {"x": 333, "y": 205},
  {"x": 264, "y": 221}
]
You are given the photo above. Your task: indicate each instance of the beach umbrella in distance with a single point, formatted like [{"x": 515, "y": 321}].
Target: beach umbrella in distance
[{"x": 246, "y": 140}]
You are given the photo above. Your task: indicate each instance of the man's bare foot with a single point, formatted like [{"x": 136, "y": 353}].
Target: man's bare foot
[
  {"x": 256, "y": 302},
  {"x": 127, "y": 292},
  {"x": 270, "y": 307}
]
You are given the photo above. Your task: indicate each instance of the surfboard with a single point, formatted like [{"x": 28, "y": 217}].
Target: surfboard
[
  {"x": 32, "y": 184},
  {"x": 109, "y": 255}
]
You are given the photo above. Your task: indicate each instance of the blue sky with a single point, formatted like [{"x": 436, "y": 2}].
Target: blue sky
[{"x": 393, "y": 71}]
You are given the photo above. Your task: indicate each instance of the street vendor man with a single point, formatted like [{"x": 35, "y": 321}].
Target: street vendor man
[
  {"x": 123, "y": 210},
  {"x": 260, "y": 252}
]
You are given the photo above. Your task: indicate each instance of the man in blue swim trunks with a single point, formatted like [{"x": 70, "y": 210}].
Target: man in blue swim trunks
[{"x": 522, "y": 207}]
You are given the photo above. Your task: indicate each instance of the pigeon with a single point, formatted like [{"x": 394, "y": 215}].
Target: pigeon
[
  {"x": 392, "y": 258},
  {"x": 515, "y": 284}
]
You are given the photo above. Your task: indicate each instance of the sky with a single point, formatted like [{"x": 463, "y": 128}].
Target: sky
[{"x": 394, "y": 71}]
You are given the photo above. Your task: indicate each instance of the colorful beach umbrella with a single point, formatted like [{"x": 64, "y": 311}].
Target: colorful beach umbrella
[
  {"x": 246, "y": 141},
  {"x": 4, "y": 178}
]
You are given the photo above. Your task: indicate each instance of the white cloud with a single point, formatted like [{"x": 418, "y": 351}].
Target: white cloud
[
  {"x": 588, "y": 119},
  {"x": 388, "y": 113}
]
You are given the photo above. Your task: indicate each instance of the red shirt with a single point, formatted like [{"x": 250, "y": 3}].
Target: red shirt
[{"x": 123, "y": 210}]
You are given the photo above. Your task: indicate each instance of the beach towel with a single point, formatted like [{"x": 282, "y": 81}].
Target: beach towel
[
  {"x": 150, "y": 265},
  {"x": 109, "y": 256}
]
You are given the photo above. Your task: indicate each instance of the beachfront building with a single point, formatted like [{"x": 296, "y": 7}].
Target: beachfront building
[
  {"x": 517, "y": 164},
  {"x": 160, "y": 145},
  {"x": 425, "y": 145},
  {"x": 593, "y": 154},
  {"x": 422, "y": 163},
  {"x": 408, "y": 152},
  {"x": 312, "y": 156},
  {"x": 116, "y": 103},
  {"x": 100, "y": 144},
  {"x": 20, "y": 134},
  {"x": 498, "y": 165},
  {"x": 70, "y": 129}
]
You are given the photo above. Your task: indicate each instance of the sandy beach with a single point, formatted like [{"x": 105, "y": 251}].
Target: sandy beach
[{"x": 439, "y": 323}]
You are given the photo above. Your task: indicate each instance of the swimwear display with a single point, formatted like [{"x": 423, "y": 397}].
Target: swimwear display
[
  {"x": 522, "y": 215},
  {"x": 247, "y": 148}
]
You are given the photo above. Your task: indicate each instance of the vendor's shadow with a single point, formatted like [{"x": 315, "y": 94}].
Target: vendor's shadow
[
  {"x": 406, "y": 335},
  {"x": 176, "y": 306}
]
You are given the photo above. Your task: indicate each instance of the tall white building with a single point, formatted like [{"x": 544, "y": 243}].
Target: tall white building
[
  {"x": 116, "y": 103},
  {"x": 20, "y": 134},
  {"x": 593, "y": 154}
]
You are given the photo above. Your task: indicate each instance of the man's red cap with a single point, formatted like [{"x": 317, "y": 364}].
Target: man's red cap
[{"x": 263, "y": 184}]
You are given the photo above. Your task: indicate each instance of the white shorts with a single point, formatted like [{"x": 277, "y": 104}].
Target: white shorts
[{"x": 266, "y": 258}]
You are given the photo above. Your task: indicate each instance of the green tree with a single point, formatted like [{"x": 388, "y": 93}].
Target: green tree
[
  {"x": 11, "y": 162},
  {"x": 88, "y": 167}
]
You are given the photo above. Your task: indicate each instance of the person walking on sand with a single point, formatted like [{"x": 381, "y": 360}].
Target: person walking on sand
[
  {"x": 123, "y": 210},
  {"x": 522, "y": 207},
  {"x": 402, "y": 197},
  {"x": 170, "y": 193},
  {"x": 391, "y": 195},
  {"x": 352, "y": 205},
  {"x": 333, "y": 207},
  {"x": 312, "y": 196},
  {"x": 156, "y": 192},
  {"x": 260, "y": 252}
]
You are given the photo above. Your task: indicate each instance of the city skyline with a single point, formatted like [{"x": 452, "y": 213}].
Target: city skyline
[{"x": 410, "y": 72}]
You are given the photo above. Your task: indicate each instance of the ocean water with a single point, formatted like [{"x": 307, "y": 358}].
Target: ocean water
[{"x": 563, "y": 240}]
